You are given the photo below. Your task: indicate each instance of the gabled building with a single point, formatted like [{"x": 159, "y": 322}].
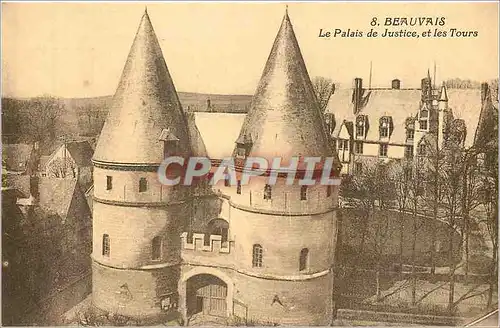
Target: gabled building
[
  {"x": 376, "y": 124},
  {"x": 71, "y": 160},
  {"x": 19, "y": 159}
]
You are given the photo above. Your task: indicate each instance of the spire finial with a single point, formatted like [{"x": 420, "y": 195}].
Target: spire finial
[
  {"x": 146, "y": 10},
  {"x": 286, "y": 9}
]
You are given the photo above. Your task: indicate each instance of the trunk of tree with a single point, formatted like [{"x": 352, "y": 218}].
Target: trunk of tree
[
  {"x": 377, "y": 278},
  {"x": 493, "y": 275},
  {"x": 401, "y": 237},
  {"x": 465, "y": 218},
  {"x": 451, "y": 260},
  {"x": 413, "y": 256}
]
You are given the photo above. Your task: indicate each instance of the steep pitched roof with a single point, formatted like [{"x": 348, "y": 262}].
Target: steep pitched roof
[
  {"x": 487, "y": 126},
  {"x": 81, "y": 151},
  {"x": 62, "y": 196},
  {"x": 218, "y": 132},
  {"x": 16, "y": 157},
  {"x": 401, "y": 104},
  {"x": 144, "y": 104},
  {"x": 284, "y": 118}
]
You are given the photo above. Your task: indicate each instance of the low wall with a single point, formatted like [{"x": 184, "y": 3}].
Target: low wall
[
  {"x": 384, "y": 234},
  {"x": 403, "y": 318}
]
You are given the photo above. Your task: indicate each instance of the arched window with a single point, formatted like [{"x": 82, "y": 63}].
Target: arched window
[
  {"x": 257, "y": 256},
  {"x": 304, "y": 259},
  {"x": 156, "y": 248},
  {"x": 105, "y": 245}
]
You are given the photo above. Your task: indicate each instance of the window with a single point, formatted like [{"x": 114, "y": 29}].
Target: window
[
  {"x": 423, "y": 124},
  {"x": 328, "y": 191},
  {"x": 240, "y": 152},
  {"x": 105, "y": 245},
  {"x": 422, "y": 150},
  {"x": 409, "y": 134},
  {"x": 358, "y": 147},
  {"x": 384, "y": 132},
  {"x": 346, "y": 144},
  {"x": 227, "y": 182},
  {"x": 267, "y": 191},
  {"x": 358, "y": 168},
  {"x": 383, "y": 150},
  {"x": 156, "y": 248},
  {"x": 109, "y": 182},
  {"x": 304, "y": 259},
  {"x": 238, "y": 187},
  {"x": 408, "y": 151},
  {"x": 340, "y": 143},
  {"x": 359, "y": 130},
  {"x": 424, "y": 113},
  {"x": 257, "y": 256},
  {"x": 303, "y": 192},
  {"x": 143, "y": 184}
]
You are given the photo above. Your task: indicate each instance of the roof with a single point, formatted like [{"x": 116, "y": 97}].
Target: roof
[
  {"x": 22, "y": 183},
  {"x": 219, "y": 132},
  {"x": 144, "y": 104},
  {"x": 81, "y": 152},
  {"x": 487, "y": 128},
  {"x": 57, "y": 194},
  {"x": 400, "y": 104},
  {"x": 284, "y": 118},
  {"x": 16, "y": 156}
]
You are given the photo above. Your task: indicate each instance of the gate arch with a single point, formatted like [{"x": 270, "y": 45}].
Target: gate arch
[{"x": 183, "y": 301}]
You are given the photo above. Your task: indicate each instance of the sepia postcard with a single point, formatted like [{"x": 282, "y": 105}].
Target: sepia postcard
[{"x": 250, "y": 163}]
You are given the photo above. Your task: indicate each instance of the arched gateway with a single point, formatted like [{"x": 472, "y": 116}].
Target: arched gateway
[{"x": 205, "y": 291}]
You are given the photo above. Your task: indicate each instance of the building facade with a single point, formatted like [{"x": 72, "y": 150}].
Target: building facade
[
  {"x": 257, "y": 252},
  {"x": 379, "y": 124}
]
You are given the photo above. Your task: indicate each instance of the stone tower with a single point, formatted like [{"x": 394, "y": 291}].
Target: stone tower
[
  {"x": 285, "y": 235},
  {"x": 138, "y": 221}
]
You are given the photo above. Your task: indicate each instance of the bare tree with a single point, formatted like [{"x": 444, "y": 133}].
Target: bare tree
[
  {"x": 93, "y": 118},
  {"x": 401, "y": 175},
  {"x": 323, "y": 88},
  {"x": 62, "y": 168},
  {"x": 41, "y": 117}
]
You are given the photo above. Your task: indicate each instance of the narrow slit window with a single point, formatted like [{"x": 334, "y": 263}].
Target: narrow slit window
[
  {"x": 257, "y": 256},
  {"x": 303, "y": 193},
  {"x": 328, "y": 191},
  {"x": 143, "y": 184},
  {"x": 238, "y": 187},
  {"x": 106, "y": 247},
  {"x": 156, "y": 246},
  {"x": 267, "y": 191},
  {"x": 109, "y": 182},
  {"x": 304, "y": 259}
]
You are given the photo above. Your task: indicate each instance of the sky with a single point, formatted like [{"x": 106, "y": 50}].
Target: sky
[{"x": 79, "y": 49}]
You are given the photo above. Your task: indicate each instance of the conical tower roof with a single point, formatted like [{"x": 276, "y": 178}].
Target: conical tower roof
[
  {"x": 444, "y": 94},
  {"x": 284, "y": 118},
  {"x": 145, "y": 105}
]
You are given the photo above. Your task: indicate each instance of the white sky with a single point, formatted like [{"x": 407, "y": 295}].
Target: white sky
[{"x": 79, "y": 49}]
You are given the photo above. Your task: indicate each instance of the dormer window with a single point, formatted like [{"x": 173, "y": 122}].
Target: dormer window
[
  {"x": 410, "y": 133},
  {"x": 385, "y": 126},
  {"x": 361, "y": 126},
  {"x": 423, "y": 124},
  {"x": 243, "y": 146},
  {"x": 170, "y": 143}
]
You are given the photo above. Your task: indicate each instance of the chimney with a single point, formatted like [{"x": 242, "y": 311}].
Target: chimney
[
  {"x": 426, "y": 89},
  {"x": 357, "y": 94},
  {"x": 396, "y": 84}
]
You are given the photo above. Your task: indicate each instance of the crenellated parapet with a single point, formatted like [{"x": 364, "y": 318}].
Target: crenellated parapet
[{"x": 198, "y": 243}]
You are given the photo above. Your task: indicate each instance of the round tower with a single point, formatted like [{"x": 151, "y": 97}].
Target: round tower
[
  {"x": 137, "y": 220},
  {"x": 284, "y": 235}
]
